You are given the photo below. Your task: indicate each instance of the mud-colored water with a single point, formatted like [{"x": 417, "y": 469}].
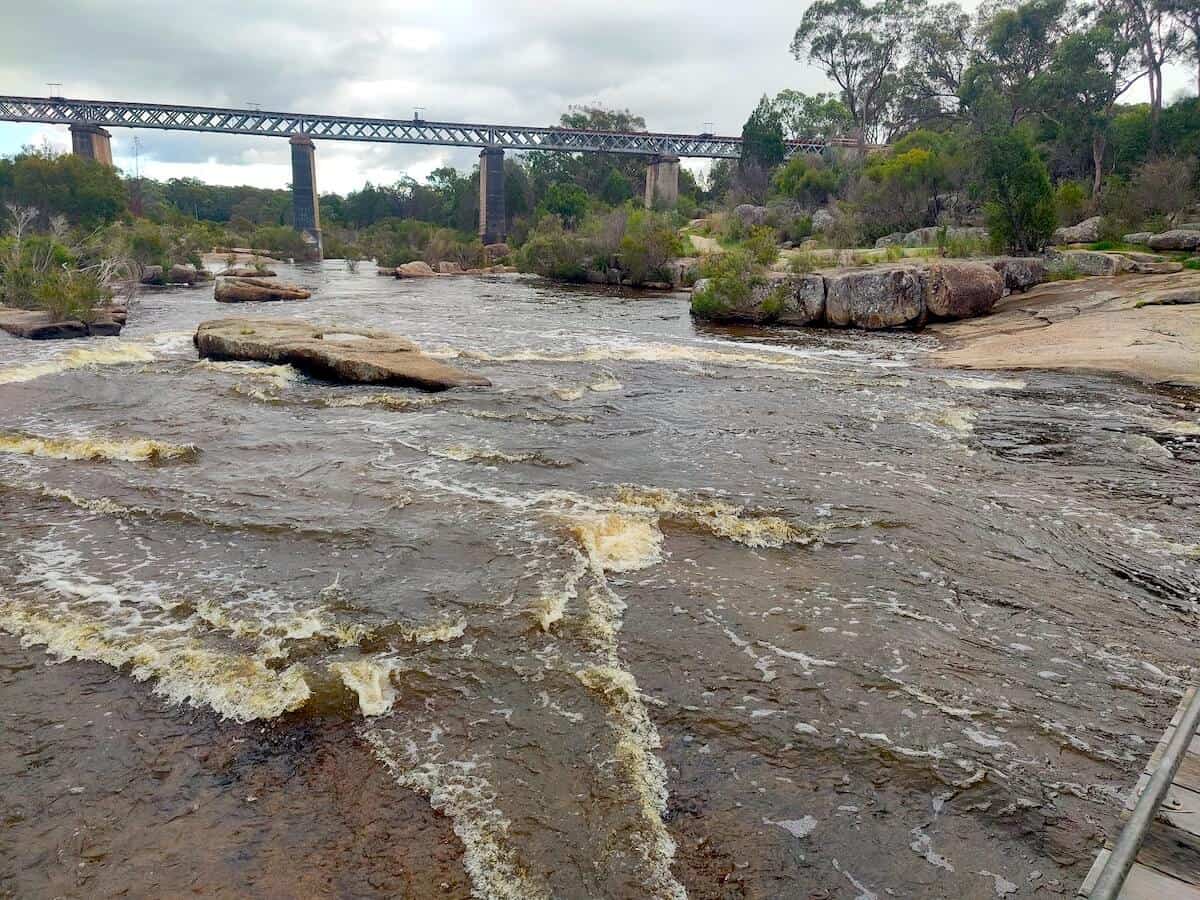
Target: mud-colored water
[{"x": 665, "y": 612}]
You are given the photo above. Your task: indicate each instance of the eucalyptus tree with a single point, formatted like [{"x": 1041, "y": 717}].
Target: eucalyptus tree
[
  {"x": 1187, "y": 14},
  {"x": 802, "y": 116},
  {"x": 943, "y": 42},
  {"x": 861, "y": 47},
  {"x": 1092, "y": 67},
  {"x": 1160, "y": 38},
  {"x": 1016, "y": 48}
]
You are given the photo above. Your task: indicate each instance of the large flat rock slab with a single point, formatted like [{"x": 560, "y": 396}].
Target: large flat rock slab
[
  {"x": 36, "y": 325},
  {"x": 354, "y": 355},
  {"x": 1145, "y": 327},
  {"x": 256, "y": 290}
]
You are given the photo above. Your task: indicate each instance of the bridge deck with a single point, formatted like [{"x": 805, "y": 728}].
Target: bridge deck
[{"x": 1168, "y": 864}]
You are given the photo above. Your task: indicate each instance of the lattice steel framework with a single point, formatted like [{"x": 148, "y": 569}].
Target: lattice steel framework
[{"x": 114, "y": 114}]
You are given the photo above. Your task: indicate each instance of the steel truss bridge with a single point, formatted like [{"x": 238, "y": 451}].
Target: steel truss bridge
[{"x": 168, "y": 117}]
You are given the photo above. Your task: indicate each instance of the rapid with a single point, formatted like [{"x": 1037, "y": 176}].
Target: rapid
[{"x": 668, "y": 611}]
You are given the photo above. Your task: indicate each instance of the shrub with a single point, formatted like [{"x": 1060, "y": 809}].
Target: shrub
[
  {"x": 1020, "y": 204},
  {"x": 281, "y": 240},
  {"x": 805, "y": 180},
  {"x": 730, "y": 278},
  {"x": 553, "y": 252},
  {"x": 762, "y": 245},
  {"x": 803, "y": 262},
  {"x": 651, "y": 240},
  {"x": 1070, "y": 202}
]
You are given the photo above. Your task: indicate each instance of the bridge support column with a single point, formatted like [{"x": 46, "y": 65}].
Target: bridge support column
[
  {"x": 491, "y": 196},
  {"x": 306, "y": 208},
  {"x": 662, "y": 182},
  {"x": 92, "y": 142}
]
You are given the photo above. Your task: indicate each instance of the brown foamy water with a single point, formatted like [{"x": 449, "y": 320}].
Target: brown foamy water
[{"x": 665, "y": 612}]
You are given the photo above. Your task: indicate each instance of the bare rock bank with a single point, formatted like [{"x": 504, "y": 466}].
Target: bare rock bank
[
  {"x": 353, "y": 355},
  {"x": 1145, "y": 327}
]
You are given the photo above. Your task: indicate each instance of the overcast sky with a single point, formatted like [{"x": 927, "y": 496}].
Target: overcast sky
[{"x": 684, "y": 66}]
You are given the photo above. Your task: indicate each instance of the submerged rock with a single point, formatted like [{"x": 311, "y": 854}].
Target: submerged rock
[
  {"x": 877, "y": 297},
  {"x": 249, "y": 290},
  {"x": 340, "y": 354},
  {"x": 36, "y": 325}
]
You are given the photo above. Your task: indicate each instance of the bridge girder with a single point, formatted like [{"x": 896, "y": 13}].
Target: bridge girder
[{"x": 168, "y": 117}]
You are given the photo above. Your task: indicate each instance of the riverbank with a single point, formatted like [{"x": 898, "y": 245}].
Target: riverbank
[{"x": 1138, "y": 326}]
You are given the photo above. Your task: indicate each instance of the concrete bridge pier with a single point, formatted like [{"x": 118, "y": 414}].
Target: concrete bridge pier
[
  {"x": 662, "y": 182},
  {"x": 92, "y": 142},
  {"x": 491, "y": 196},
  {"x": 306, "y": 208}
]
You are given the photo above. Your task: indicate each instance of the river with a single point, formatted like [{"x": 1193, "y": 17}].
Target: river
[{"x": 667, "y": 611}]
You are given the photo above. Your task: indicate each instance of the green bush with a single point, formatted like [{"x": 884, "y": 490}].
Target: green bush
[
  {"x": 651, "y": 240},
  {"x": 762, "y": 245},
  {"x": 553, "y": 252},
  {"x": 805, "y": 180},
  {"x": 281, "y": 240},
  {"x": 730, "y": 278},
  {"x": 1020, "y": 202},
  {"x": 803, "y": 262},
  {"x": 1070, "y": 202}
]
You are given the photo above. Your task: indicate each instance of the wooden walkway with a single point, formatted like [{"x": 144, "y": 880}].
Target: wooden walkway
[{"x": 1168, "y": 865}]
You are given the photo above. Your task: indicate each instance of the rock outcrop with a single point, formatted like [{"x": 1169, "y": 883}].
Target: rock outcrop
[
  {"x": 1138, "y": 237},
  {"x": 778, "y": 299},
  {"x": 876, "y": 297},
  {"x": 36, "y": 325},
  {"x": 449, "y": 268},
  {"x": 152, "y": 275},
  {"x": 499, "y": 250},
  {"x": 1020, "y": 273},
  {"x": 339, "y": 354},
  {"x": 182, "y": 274},
  {"x": 960, "y": 290},
  {"x": 751, "y": 214},
  {"x": 1086, "y": 232},
  {"x": 415, "y": 269},
  {"x": 1087, "y": 262},
  {"x": 1175, "y": 239},
  {"x": 928, "y": 237},
  {"x": 822, "y": 219},
  {"x": 884, "y": 296},
  {"x": 254, "y": 290}
]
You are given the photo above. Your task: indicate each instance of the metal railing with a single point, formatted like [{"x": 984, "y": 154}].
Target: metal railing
[
  {"x": 119, "y": 114},
  {"x": 1124, "y": 853}
]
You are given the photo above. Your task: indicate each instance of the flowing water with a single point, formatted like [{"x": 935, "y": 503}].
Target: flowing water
[{"x": 665, "y": 612}]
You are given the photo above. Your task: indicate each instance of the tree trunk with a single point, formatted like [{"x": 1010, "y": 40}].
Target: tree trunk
[
  {"x": 1098, "y": 146},
  {"x": 1155, "y": 74}
]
